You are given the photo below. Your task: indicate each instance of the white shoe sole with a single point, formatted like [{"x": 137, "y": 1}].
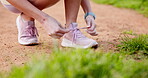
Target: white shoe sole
[
  {"x": 68, "y": 43},
  {"x": 21, "y": 42},
  {"x": 30, "y": 44}
]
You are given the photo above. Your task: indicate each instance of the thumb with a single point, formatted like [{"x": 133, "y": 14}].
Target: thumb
[
  {"x": 67, "y": 30},
  {"x": 88, "y": 23},
  {"x": 63, "y": 30}
]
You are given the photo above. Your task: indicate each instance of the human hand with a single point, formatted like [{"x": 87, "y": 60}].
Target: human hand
[
  {"x": 91, "y": 26},
  {"x": 54, "y": 28}
]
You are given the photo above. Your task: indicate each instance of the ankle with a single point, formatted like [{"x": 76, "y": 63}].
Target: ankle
[
  {"x": 68, "y": 24},
  {"x": 26, "y": 18}
]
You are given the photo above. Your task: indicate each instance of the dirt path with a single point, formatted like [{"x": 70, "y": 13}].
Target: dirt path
[{"x": 110, "y": 21}]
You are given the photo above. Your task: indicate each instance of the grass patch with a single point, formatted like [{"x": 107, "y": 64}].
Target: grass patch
[
  {"x": 138, "y": 44},
  {"x": 81, "y": 63},
  {"x": 136, "y": 47},
  {"x": 139, "y": 5},
  {"x": 133, "y": 45},
  {"x": 129, "y": 62},
  {"x": 130, "y": 32}
]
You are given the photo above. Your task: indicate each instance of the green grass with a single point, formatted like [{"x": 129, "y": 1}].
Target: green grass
[
  {"x": 139, "y": 44},
  {"x": 128, "y": 32},
  {"x": 140, "y": 5},
  {"x": 81, "y": 63},
  {"x": 130, "y": 61}
]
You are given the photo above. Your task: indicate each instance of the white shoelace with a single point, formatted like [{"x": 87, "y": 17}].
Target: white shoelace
[
  {"x": 77, "y": 33},
  {"x": 30, "y": 31}
]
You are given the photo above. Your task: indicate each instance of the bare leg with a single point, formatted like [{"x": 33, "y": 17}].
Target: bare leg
[
  {"x": 33, "y": 9},
  {"x": 86, "y": 6},
  {"x": 40, "y": 4},
  {"x": 71, "y": 10},
  {"x": 75, "y": 38},
  {"x": 26, "y": 17}
]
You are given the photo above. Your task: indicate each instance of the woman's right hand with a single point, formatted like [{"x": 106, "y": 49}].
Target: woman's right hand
[{"x": 54, "y": 28}]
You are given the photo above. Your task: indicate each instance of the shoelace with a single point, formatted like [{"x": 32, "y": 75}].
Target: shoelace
[
  {"x": 31, "y": 31},
  {"x": 77, "y": 33}
]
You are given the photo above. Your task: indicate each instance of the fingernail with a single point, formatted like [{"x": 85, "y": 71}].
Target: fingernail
[
  {"x": 67, "y": 30},
  {"x": 49, "y": 34},
  {"x": 88, "y": 26}
]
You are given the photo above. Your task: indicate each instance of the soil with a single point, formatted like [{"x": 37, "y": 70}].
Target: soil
[{"x": 111, "y": 22}]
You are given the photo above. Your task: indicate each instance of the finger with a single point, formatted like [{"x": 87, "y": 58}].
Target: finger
[
  {"x": 92, "y": 28},
  {"x": 59, "y": 34},
  {"x": 60, "y": 25},
  {"x": 93, "y": 33},
  {"x": 63, "y": 30},
  {"x": 88, "y": 23},
  {"x": 94, "y": 24},
  {"x": 56, "y": 37},
  {"x": 50, "y": 34}
]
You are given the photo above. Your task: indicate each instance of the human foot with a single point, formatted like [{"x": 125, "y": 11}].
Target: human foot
[
  {"x": 27, "y": 32},
  {"x": 76, "y": 39}
]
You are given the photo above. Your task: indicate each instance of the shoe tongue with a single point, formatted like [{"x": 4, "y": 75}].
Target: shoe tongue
[
  {"x": 73, "y": 25},
  {"x": 30, "y": 22}
]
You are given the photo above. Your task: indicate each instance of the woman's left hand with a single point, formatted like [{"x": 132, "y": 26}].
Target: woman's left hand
[{"x": 91, "y": 26}]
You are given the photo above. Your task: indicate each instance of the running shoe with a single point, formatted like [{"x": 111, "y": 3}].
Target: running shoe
[
  {"x": 76, "y": 39},
  {"x": 27, "y": 32}
]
